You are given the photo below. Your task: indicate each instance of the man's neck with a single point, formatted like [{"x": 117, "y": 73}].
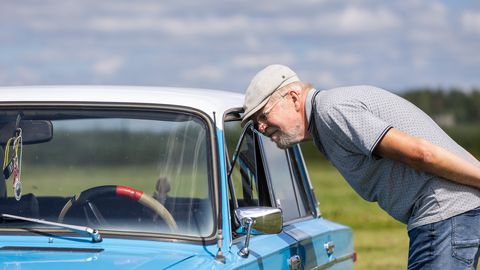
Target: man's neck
[{"x": 307, "y": 106}]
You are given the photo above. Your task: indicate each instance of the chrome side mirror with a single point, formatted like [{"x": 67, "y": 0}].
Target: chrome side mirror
[{"x": 260, "y": 220}]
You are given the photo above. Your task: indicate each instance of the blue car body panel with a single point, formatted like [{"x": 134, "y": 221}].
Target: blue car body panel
[
  {"x": 35, "y": 252},
  {"x": 306, "y": 239}
]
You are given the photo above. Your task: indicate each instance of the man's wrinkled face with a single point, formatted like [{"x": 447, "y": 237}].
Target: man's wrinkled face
[{"x": 278, "y": 121}]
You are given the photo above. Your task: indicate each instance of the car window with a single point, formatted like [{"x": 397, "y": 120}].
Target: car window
[
  {"x": 286, "y": 187},
  {"x": 111, "y": 163},
  {"x": 247, "y": 176}
]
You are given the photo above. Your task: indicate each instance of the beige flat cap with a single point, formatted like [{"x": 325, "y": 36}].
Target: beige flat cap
[{"x": 263, "y": 84}]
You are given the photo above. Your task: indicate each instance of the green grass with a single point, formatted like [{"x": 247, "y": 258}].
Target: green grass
[{"x": 380, "y": 241}]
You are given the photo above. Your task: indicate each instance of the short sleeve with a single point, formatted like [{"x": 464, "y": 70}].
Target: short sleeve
[{"x": 354, "y": 126}]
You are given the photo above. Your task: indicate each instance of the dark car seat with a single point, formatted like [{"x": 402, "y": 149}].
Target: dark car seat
[{"x": 27, "y": 206}]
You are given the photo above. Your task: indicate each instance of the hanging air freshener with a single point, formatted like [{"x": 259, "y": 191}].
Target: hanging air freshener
[
  {"x": 17, "y": 164},
  {"x": 13, "y": 165}
]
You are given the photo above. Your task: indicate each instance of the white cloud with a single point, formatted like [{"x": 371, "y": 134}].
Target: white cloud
[
  {"x": 262, "y": 59},
  {"x": 108, "y": 66},
  {"x": 204, "y": 73},
  {"x": 429, "y": 24},
  {"x": 357, "y": 20},
  {"x": 432, "y": 16},
  {"x": 120, "y": 24},
  {"x": 471, "y": 22},
  {"x": 252, "y": 42},
  {"x": 335, "y": 58},
  {"x": 350, "y": 41},
  {"x": 146, "y": 17},
  {"x": 326, "y": 79},
  {"x": 22, "y": 75},
  {"x": 174, "y": 26}
]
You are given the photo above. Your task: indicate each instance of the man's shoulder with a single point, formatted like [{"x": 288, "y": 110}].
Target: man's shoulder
[
  {"x": 355, "y": 94},
  {"x": 334, "y": 96},
  {"x": 353, "y": 89}
]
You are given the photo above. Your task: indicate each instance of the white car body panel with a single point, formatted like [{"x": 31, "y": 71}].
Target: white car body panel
[{"x": 207, "y": 101}]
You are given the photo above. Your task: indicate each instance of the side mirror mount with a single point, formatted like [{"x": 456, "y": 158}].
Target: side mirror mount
[{"x": 256, "y": 220}]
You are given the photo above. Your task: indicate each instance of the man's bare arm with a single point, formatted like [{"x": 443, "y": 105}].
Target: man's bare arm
[{"x": 425, "y": 156}]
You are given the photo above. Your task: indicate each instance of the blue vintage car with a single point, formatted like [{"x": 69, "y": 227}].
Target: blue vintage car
[{"x": 153, "y": 178}]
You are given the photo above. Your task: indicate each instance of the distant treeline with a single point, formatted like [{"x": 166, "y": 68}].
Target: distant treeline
[
  {"x": 451, "y": 107},
  {"x": 125, "y": 148},
  {"x": 456, "y": 111}
]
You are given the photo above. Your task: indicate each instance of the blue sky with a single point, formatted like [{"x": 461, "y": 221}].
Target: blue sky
[{"x": 221, "y": 44}]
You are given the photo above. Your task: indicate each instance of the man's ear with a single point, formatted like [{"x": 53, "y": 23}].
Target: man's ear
[{"x": 296, "y": 99}]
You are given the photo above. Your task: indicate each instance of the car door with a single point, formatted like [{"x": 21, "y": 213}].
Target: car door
[
  {"x": 317, "y": 242},
  {"x": 268, "y": 176},
  {"x": 249, "y": 188}
]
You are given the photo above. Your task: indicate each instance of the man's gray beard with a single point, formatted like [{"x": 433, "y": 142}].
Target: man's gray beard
[{"x": 287, "y": 139}]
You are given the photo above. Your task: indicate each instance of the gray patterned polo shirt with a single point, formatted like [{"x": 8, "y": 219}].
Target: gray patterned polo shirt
[{"x": 348, "y": 124}]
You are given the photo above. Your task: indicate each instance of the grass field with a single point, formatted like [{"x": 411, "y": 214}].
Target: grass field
[
  {"x": 49, "y": 180},
  {"x": 379, "y": 240}
]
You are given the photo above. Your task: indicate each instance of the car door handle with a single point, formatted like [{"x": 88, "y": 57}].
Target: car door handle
[{"x": 294, "y": 262}]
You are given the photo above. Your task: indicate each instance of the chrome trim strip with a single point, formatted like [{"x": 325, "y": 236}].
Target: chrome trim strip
[{"x": 334, "y": 261}]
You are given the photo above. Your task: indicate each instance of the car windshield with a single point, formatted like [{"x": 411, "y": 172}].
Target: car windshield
[{"x": 120, "y": 171}]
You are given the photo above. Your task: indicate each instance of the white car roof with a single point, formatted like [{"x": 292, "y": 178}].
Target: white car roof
[{"x": 205, "y": 100}]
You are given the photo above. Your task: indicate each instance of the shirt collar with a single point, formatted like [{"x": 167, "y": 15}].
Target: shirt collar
[{"x": 308, "y": 104}]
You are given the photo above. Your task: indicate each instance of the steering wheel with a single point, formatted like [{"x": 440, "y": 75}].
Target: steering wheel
[{"x": 86, "y": 197}]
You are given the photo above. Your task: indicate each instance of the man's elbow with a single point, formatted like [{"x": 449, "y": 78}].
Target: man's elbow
[{"x": 424, "y": 155}]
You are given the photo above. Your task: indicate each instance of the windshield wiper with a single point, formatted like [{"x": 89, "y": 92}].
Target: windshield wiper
[{"x": 94, "y": 234}]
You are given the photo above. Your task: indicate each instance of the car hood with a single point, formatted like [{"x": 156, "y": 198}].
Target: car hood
[{"x": 113, "y": 255}]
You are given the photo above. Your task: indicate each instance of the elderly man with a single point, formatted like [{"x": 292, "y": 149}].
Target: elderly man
[{"x": 389, "y": 151}]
